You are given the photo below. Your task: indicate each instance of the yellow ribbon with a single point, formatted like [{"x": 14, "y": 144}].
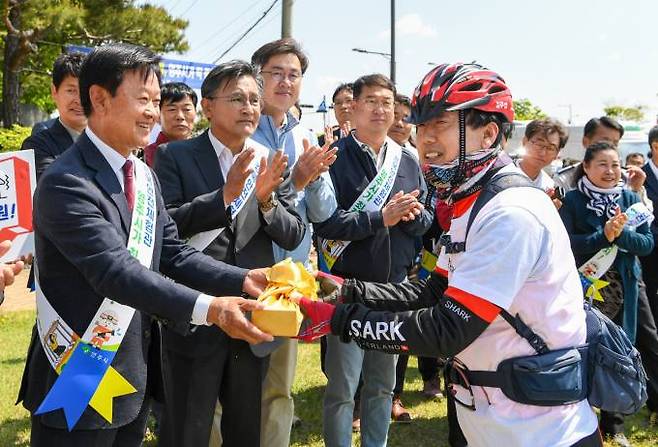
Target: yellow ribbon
[{"x": 593, "y": 290}]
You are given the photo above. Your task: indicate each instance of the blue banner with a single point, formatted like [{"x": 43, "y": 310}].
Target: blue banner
[{"x": 173, "y": 70}]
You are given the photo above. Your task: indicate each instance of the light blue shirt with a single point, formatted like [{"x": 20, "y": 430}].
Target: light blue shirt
[{"x": 317, "y": 202}]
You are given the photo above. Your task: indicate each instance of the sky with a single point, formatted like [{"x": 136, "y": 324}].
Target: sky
[{"x": 560, "y": 54}]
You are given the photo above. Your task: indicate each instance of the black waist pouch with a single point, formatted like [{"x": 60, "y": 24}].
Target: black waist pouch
[{"x": 554, "y": 378}]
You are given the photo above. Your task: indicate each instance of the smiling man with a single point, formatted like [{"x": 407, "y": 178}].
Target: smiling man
[
  {"x": 512, "y": 257},
  {"x": 372, "y": 242},
  {"x": 48, "y": 144},
  {"x": 283, "y": 64},
  {"x": 221, "y": 184},
  {"x": 106, "y": 249}
]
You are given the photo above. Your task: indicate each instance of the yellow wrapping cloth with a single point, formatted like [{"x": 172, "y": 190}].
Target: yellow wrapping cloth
[{"x": 282, "y": 317}]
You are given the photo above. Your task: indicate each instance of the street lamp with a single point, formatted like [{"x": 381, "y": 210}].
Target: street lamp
[{"x": 361, "y": 50}]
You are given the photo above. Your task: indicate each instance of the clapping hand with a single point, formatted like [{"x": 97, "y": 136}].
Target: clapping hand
[
  {"x": 237, "y": 175},
  {"x": 270, "y": 177},
  {"x": 615, "y": 225},
  {"x": 313, "y": 162},
  {"x": 402, "y": 207}
]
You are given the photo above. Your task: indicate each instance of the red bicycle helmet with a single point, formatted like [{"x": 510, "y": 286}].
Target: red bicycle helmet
[{"x": 453, "y": 87}]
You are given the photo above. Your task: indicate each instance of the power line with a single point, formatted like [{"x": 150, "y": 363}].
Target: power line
[
  {"x": 262, "y": 27},
  {"x": 223, "y": 29},
  {"x": 247, "y": 32},
  {"x": 188, "y": 8},
  {"x": 173, "y": 6}
]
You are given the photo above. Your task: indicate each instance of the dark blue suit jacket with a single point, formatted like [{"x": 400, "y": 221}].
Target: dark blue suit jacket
[
  {"x": 81, "y": 222},
  {"x": 376, "y": 253},
  {"x": 48, "y": 144}
]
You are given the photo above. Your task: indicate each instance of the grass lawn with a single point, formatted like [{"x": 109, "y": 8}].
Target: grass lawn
[{"x": 429, "y": 427}]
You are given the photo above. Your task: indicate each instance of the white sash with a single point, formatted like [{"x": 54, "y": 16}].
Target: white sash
[
  {"x": 111, "y": 321},
  {"x": 371, "y": 199},
  {"x": 596, "y": 266},
  {"x": 201, "y": 240}
]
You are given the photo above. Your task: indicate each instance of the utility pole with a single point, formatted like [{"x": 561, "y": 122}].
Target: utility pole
[
  {"x": 393, "y": 41},
  {"x": 286, "y": 18}
]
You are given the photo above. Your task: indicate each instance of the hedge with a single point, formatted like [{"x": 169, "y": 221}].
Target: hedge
[{"x": 11, "y": 139}]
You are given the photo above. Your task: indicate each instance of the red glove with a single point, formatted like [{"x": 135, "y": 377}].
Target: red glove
[
  {"x": 318, "y": 319},
  {"x": 329, "y": 287}
]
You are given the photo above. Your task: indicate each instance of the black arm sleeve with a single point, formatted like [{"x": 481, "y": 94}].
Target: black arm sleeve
[
  {"x": 443, "y": 330},
  {"x": 395, "y": 297}
]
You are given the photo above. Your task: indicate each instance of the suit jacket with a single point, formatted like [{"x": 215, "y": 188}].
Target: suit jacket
[
  {"x": 81, "y": 222},
  {"x": 48, "y": 144},
  {"x": 192, "y": 188},
  {"x": 43, "y": 125},
  {"x": 376, "y": 253}
]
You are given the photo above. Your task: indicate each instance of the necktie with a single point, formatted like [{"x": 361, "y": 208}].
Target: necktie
[{"x": 129, "y": 183}]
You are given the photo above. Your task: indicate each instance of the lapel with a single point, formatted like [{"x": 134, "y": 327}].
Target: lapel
[
  {"x": 208, "y": 163},
  {"x": 105, "y": 178}
]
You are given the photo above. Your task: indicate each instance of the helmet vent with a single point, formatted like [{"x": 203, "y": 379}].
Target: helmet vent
[{"x": 472, "y": 87}]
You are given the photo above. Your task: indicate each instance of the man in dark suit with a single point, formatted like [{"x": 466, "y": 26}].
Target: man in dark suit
[
  {"x": 381, "y": 249},
  {"x": 52, "y": 141},
  {"x": 200, "y": 178},
  {"x": 82, "y": 220},
  {"x": 650, "y": 263},
  {"x": 43, "y": 125}
]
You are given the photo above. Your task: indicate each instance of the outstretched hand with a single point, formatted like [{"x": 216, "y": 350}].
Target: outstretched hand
[{"x": 228, "y": 313}]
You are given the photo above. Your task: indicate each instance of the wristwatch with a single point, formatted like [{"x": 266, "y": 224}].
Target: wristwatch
[{"x": 269, "y": 204}]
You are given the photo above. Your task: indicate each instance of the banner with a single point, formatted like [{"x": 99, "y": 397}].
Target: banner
[
  {"x": 173, "y": 70},
  {"x": 17, "y": 182}
]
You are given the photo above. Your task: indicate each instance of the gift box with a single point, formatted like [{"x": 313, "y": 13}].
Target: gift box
[{"x": 281, "y": 316}]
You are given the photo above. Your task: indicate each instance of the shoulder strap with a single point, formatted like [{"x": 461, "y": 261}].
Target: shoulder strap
[{"x": 497, "y": 184}]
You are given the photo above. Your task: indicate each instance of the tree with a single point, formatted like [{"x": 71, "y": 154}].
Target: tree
[
  {"x": 625, "y": 113},
  {"x": 37, "y": 31},
  {"x": 524, "y": 110}
]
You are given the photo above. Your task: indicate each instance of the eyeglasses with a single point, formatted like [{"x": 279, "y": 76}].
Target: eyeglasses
[
  {"x": 240, "y": 101},
  {"x": 371, "y": 104},
  {"x": 542, "y": 145},
  {"x": 343, "y": 102},
  {"x": 280, "y": 76}
]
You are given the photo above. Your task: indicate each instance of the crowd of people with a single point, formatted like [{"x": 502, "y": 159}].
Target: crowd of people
[{"x": 181, "y": 232}]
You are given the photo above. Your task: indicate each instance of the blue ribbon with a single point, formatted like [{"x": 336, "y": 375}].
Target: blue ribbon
[
  {"x": 584, "y": 282},
  {"x": 77, "y": 383}
]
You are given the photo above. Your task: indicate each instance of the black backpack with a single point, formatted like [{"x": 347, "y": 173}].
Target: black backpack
[{"x": 607, "y": 370}]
